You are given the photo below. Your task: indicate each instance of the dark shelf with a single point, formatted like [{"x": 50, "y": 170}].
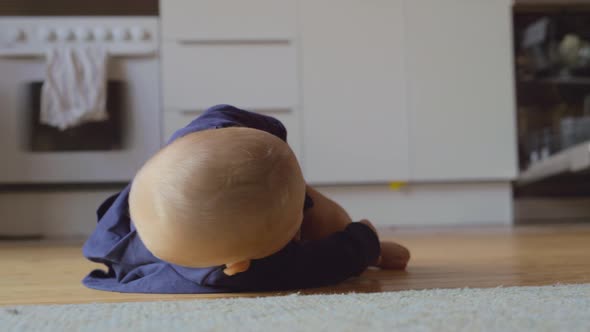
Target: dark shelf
[
  {"x": 550, "y": 6},
  {"x": 563, "y": 185},
  {"x": 563, "y": 81}
]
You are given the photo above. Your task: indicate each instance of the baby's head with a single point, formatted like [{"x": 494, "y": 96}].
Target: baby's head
[{"x": 220, "y": 196}]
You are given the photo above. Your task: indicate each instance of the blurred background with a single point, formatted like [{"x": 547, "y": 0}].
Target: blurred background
[{"x": 407, "y": 112}]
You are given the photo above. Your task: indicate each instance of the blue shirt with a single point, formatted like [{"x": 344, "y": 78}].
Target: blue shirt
[{"x": 300, "y": 264}]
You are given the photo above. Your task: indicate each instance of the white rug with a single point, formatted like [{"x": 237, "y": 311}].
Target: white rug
[{"x": 549, "y": 308}]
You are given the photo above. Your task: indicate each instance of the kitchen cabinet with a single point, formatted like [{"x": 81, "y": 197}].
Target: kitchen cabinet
[
  {"x": 242, "y": 53},
  {"x": 372, "y": 91},
  {"x": 460, "y": 90},
  {"x": 353, "y": 81}
]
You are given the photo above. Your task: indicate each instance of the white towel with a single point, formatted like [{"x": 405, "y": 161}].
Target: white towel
[{"x": 74, "y": 91}]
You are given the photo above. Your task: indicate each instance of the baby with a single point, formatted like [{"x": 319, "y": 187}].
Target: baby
[{"x": 224, "y": 207}]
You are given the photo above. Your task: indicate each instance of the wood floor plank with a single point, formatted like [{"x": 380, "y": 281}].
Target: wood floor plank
[{"x": 36, "y": 273}]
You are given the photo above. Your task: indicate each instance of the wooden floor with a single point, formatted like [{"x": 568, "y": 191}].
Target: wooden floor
[{"x": 485, "y": 257}]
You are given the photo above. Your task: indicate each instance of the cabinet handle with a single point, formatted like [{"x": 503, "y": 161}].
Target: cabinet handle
[
  {"x": 262, "y": 110},
  {"x": 233, "y": 42}
]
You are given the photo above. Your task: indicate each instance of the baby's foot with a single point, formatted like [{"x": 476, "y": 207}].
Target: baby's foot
[{"x": 393, "y": 256}]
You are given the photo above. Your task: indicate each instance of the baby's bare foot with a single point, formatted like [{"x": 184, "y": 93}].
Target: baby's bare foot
[{"x": 393, "y": 256}]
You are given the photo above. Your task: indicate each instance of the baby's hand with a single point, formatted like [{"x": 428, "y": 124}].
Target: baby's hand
[
  {"x": 235, "y": 268},
  {"x": 393, "y": 256}
]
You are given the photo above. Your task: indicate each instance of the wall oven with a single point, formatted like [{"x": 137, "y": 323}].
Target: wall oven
[
  {"x": 52, "y": 180},
  {"x": 107, "y": 151}
]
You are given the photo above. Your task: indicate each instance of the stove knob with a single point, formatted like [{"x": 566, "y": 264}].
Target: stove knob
[
  {"x": 121, "y": 34},
  {"x": 46, "y": 34},
  {"x": 102, "y": 33},
  {"x": 64, "y": 34},
  {"x": 16, "y": 35},
  {"x": 139, "y": 33},
  {"x": 83, "y": 34}
]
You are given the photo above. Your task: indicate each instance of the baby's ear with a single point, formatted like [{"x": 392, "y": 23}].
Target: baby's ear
[{"x": 235, "y": 268}]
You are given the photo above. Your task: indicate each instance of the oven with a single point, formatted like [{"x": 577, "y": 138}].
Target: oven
[{"x": 107, "y": 151}]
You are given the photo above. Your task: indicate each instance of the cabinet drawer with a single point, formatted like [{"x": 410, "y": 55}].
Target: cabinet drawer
[
  {"x": 199, "y": 76},
  {"x": 203, "y": 20},
  {"x": 174, "y": 120}
]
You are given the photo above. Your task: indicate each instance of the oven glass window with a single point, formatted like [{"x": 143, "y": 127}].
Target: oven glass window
[
  {"x": 552, "y": 53},
  {"x": 92, "y": 136}
]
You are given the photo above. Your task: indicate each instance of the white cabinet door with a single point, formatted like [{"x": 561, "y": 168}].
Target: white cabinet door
[
  {"x": 354, "y": 125},
  {"x": 254, "y": 77},
  {"x": 460, "y": 89},
  {"x": 219, "y": 20}
]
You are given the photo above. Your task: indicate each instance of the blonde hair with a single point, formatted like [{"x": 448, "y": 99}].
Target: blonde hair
[{"x": 218, "y": 196}]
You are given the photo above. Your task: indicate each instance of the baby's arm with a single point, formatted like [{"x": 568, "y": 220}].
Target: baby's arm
[
  {"x": 304, "y": 264},
  {"x": 327, "y": 217},
  {"x": 324, "y": 218}
]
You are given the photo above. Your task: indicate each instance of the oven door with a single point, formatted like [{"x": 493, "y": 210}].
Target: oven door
[{"x": 109, "y": 151}]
